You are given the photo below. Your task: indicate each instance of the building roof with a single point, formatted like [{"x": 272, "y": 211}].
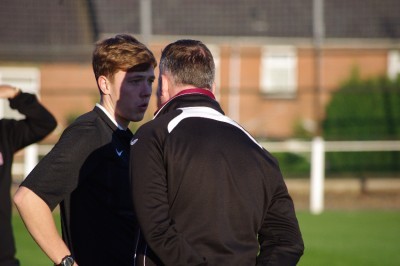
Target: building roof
[{"x": 66, "y": 30}]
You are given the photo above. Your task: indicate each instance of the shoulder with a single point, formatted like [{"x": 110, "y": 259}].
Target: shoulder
[
  {"x": 89, "y": 120},
  {"x": 159, "y": 124},
  {"x": 88, "y": 126}
]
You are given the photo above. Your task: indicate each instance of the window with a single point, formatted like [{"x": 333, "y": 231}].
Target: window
[
  {"x": 278, "y": 71},
  {"x": 26, "y": 78},
  {"x": 393, "y": 64}
]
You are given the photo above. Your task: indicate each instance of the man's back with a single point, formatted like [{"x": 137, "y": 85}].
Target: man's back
[
  {"x": 218, "y": 190},
  {"x": 221, "y": 184}
]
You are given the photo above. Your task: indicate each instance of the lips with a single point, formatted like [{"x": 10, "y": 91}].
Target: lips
[{"x": 144, "y": 105}]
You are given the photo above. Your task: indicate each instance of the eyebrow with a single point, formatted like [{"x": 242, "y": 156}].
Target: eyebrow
[{"x": 139, "y": 75}]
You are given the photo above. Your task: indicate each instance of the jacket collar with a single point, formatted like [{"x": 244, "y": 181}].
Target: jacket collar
[{"x": 192, "y": 91}]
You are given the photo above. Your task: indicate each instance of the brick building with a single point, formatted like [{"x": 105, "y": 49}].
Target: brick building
[{"x": 270, "y": 70}]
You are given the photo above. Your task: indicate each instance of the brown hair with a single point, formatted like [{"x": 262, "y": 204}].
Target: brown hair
[
  {"x": 189, "y": 62},
  {"x": 122, "y": 52}
]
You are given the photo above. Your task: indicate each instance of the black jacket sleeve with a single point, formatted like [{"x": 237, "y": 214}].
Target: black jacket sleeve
[
  {"x": 280, "y": 239},
  {"x": 38, "y": 122}
]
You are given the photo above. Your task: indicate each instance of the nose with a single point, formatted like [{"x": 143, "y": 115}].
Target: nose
[{"x": 146, "y": 91}]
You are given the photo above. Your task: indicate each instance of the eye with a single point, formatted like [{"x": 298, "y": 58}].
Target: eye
[{"x": 135, "y": 81}]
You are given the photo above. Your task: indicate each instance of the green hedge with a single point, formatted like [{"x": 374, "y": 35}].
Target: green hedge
[{"x": 364, "y": 110}]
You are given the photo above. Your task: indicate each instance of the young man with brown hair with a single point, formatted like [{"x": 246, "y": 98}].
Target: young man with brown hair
[{"x": 87, "y": 171}]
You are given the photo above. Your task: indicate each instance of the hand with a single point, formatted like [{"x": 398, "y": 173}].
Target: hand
[{"x": 8, "y": 91}]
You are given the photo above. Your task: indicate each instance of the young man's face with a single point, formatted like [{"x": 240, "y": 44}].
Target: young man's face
[{"x": 131, "y": 94}]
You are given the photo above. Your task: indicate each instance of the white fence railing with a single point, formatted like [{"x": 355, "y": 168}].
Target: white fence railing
[
  {"x": 317, "y": 148},
  {"x": 298, "y": 146}
]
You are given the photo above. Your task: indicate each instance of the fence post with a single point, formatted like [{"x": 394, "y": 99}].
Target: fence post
[
  {"x": 31, "y": 158},
  {"x": 146, "y": 28},
  {"x": 317, "y": 175}
]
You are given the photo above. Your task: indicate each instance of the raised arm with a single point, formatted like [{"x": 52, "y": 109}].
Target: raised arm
[{"x": 38, "y": 122}]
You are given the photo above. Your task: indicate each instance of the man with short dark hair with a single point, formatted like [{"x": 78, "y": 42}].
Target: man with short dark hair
[
  {"x": 204, "y": 191},
  {"x": 87, "y": 171}
]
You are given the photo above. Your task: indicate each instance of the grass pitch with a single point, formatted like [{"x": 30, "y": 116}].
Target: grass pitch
[
  {"x": 351, "y": 238},
  {"x": 28, "y": 252},
  {"x": 333, "y": 238}
]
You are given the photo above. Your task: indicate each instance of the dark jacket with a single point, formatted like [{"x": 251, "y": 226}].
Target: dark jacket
[
  {"x": 206, "y": 193},
  {"x": 17, "y": 134}
]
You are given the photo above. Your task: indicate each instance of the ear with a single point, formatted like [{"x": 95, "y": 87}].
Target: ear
[
  {"x": 213, "y": 88},
  {"x": 103, "y": 84},
  {"x": 165, "y": 86}
]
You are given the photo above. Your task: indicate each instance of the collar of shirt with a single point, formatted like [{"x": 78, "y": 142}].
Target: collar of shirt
[
  {"x": 186, "y": 92},
  {"x": 109, "y": 116}
]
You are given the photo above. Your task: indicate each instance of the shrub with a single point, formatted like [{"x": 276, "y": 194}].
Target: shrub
[{"x": 364, "y": 110}]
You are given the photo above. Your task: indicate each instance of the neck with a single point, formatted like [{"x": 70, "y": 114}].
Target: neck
[
  {"x": 191, "y": 90},
  {"x": 110, "y": 111}
]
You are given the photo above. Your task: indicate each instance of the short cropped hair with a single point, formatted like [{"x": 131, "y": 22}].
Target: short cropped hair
[
  {"x": 189, "y": 62},
  {"x": 121, "y": 53}
]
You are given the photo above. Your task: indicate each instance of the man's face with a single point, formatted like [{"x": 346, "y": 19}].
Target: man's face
[{"x": 131, "y": 94}]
